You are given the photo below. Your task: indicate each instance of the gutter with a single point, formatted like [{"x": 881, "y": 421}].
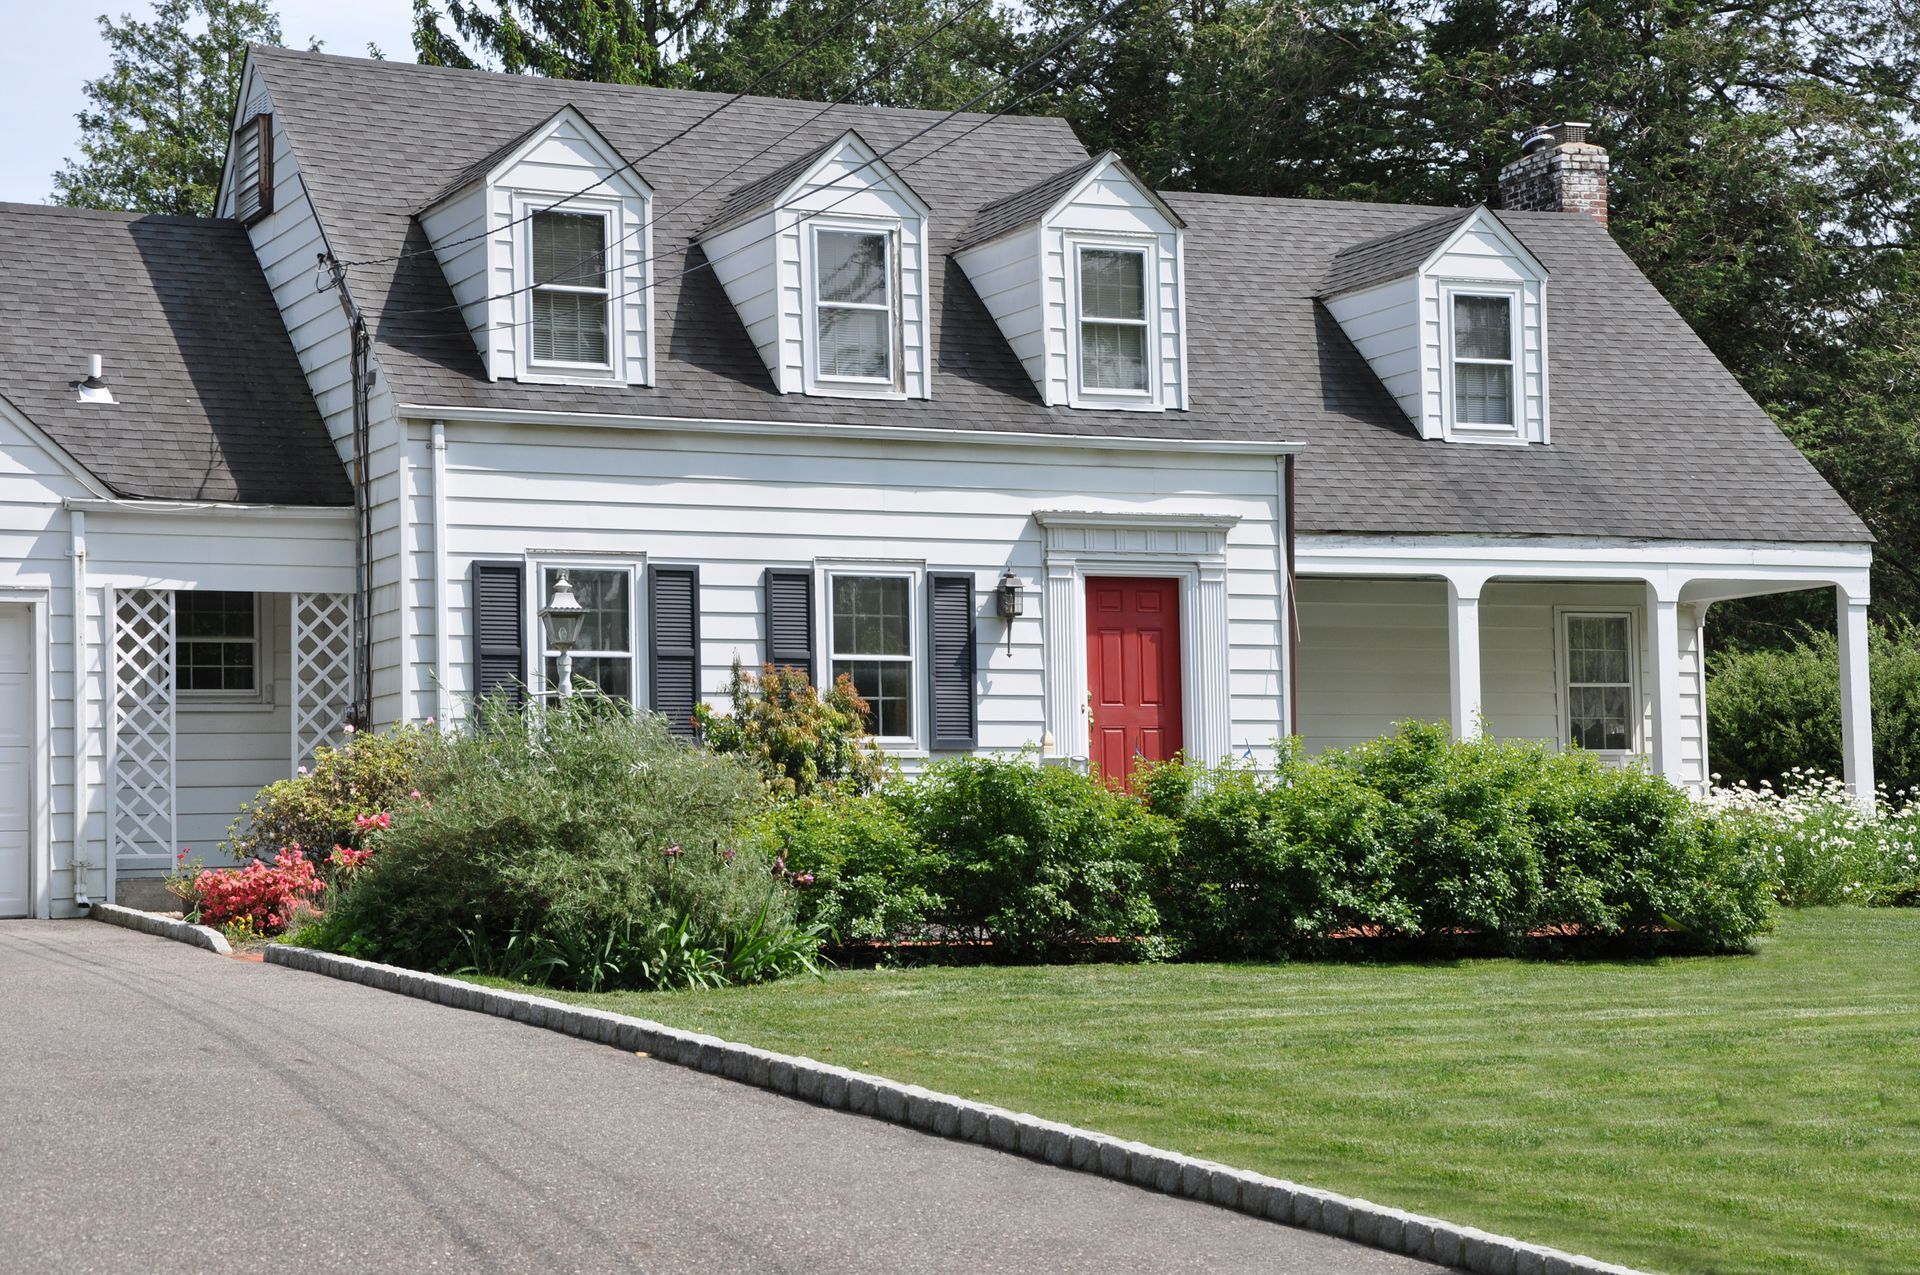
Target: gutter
[
  {"x": 876, "y": 433},
  {"x": 442, "y": 696},
  {"x": 82, "y": 797},
  {"x": 206, "y": 508}
]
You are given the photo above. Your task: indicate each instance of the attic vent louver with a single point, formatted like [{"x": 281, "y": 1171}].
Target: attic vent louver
[{"x": 94, "y": 388}]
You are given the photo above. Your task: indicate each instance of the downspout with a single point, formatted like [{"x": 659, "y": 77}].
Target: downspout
[
  {"x": 442, "y": 703},
  {"x": 1292, "y": 597},
  {"x": 82, "y": 798},
  {"x": 359, "y": 346}
]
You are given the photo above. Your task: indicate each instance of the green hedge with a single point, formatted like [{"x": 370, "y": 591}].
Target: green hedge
[
  {"x": 1411, "y": 836},
  {"x": 1770, "y": 712}
]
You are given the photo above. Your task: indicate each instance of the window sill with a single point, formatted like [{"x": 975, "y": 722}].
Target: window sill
[{"x": 215, "y": 704}]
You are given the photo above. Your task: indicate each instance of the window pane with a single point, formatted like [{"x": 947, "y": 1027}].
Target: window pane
[
  {"x": 1481, "y": 328},
  {"x": 852, "y": 266},
  {"x": 1112, "y": 284},
  {"x": 603, "y": 595},
  {"x": 1597, "y": 649},
  {"x": 570, "y": 248},
  {"x": 1599, "y": 717},
  {"x": 613, "y": 674},
  {"x": 204, "y": 613},
  {"x": 854, "y": 343},
  {"x": 214, "y": 647},
  {"x": 1482, "y": 394},
  {"x": 569, "y": 327},
  {"x": 1113, "y": 357},
  {"x": 887, "y": 686},
  {"x": 871, "y": 615}
]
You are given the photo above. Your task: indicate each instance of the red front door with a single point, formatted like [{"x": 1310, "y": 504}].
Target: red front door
[{"x": 1133, "y": 671}]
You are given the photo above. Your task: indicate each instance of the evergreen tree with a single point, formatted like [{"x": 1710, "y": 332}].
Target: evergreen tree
[{"x": 154, "y": 138}]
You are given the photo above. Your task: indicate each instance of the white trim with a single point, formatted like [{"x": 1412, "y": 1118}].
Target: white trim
[
  {"x": 526, "y": 207},
  {"x": 1484, "y": 218},
  {"x": 877, "y": 171},
  {"x": 1189, "y": 547},
  {"x": 814, "y": 381},
  {"x": 1467, "y": 702},
  {"x": 442, "y": 655},
  {"x": 1079, "y": 393},
  {"x": 210, "y": 508},
  {"x": 1103, "y": 164},
  {"x": 40, "y": 764},
  {"x": 877, "y": 433},
  {"x": 914, "y": 572},
  {"x": 82, "y": 724},
  {"x": 1451, "y": 290},
  {"x": 1636, "y": 687},
  {"x": 1856, "y": 700},
  {"x": 261, "y": 696},
  {"x": 539, "y": 562}
]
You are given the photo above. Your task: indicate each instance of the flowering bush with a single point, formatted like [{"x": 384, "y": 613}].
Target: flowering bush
[
  {"x": 798, "y": 739},
  {"x": 259, "y": 898},
  {"x": 340, "y": 800},
  {"x": 1819, "y": 845}
]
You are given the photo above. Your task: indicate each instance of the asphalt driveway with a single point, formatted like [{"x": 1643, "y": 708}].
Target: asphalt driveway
[{"x": 167, "y": 1109}]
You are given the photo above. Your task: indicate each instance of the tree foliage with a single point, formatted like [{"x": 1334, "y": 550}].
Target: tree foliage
[{"x": 154, "y": 136}]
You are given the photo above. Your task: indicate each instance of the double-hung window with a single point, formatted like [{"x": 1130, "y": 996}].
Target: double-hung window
[
  {"x": 603, "y": 655},
  {"x": 216, "y": 649},
  {"x": 871, "y": 630},
  {"x": 853, "y": 305},
  {"x": 1113, "y": 320},
  {"x": 1482, "y": 360},
  {"x": 1601, "y": 703},
  {"x": 571, "y": 302}
]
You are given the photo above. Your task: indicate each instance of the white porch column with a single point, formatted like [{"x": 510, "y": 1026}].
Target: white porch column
[
  {"x": 1663, "y": 677},
  {"x": 1463, "y": 652},
  {"x": 1856, "y": 698},
  {"x": 1212, "y": 710}
]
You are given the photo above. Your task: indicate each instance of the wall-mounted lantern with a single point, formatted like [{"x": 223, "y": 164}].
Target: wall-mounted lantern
[
  {"x": 563, "y": 615},
  {"x": 1008, "y": 595}
]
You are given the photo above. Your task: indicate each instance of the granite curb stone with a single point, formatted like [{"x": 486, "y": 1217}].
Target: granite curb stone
[
  {"x": 165, "y": 927},
  {"x": 947, "y": 1116}
]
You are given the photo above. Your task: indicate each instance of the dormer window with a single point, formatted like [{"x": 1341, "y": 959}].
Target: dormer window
[
  {"x": 570, "y": 295},
  {"x": 1482, "y": 361},
  {"x": 853, "y": 306},
  {"x": 1113, "y": 320}
]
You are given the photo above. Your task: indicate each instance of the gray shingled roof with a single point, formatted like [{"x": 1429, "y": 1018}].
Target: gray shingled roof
[
  {"x": 1390, "y": 256},
  {"x": 211, "y": 405},
  {"x": 1651, "y": 436},
  {"x": 1022, "y": 207},
  {"x": 485, "y": 164}
]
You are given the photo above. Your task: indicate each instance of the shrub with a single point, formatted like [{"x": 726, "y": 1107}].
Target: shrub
[
  {"x": 258, "y": 899},
  {"x": 1774, "y": 712},
  {"x": 1037, "y": 859},
  {"x": 797, "y": 739},
  {"x": 1819, "y": 846},
  {"x": 1420, "y": 835},
  {"x": 871, "y": 875},
  {"x": 322, "y": 806},
  {"x": 583, "y": 846}
]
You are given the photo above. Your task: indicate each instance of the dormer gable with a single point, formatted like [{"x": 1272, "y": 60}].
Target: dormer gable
[
  {"x": 825, "y": 259},
  {"x": 546, "y": 243},
  {"x": 1451, "y": 315},
  {"x": 1084, "y": 272}
]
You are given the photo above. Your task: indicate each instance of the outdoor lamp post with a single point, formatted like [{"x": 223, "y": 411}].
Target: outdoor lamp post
[{"x": 563, "y": 615}]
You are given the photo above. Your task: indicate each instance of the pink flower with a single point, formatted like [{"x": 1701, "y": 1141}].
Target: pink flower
[
  {"x": 726, "y": 856},
  {"x": 673, "y": 851},
  {"x": 803, "y": 878}
]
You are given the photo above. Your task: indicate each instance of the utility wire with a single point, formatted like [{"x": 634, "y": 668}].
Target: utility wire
[
  {"x": 631, "y": 166},
  {"x": 949, "y": 117}
]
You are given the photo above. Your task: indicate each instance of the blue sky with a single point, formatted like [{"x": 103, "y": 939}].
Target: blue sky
[{"x": 51, "y": 47}]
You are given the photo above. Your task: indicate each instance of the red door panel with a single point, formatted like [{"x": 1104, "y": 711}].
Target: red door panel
[{"x": 1133, "y": 673}]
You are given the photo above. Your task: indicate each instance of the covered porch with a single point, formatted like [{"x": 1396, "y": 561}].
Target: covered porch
[{"x": 1592, "y": 644}]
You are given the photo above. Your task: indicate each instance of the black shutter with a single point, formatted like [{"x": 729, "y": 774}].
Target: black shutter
[
  {"x": 790, "y": 619},
  {"x": 950, "y": 665},
  {"x": 499, "y": 639},
  {"x": 673, "y": 616}
]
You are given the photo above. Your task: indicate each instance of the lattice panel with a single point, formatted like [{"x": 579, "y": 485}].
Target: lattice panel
[
  {"x": 142, "y": 797},
  {"x": 322, "y": 671}
]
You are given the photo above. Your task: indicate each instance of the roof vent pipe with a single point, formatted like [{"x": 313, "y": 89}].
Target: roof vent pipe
[{"x": 94, "y": 388}]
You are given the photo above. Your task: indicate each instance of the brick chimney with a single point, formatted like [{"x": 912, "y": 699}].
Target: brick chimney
[{"x": 1559, "y": 170}]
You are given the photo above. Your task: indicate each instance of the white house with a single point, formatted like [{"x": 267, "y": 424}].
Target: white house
[{"x": 1040, "y": 456}]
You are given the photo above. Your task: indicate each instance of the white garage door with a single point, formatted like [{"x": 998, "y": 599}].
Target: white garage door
[{"x": 16, "y": 760}]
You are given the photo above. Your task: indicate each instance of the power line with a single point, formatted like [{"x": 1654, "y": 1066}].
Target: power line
[
  {"x": 631, "y": 166},
  {"x": 947, "y": 118}
]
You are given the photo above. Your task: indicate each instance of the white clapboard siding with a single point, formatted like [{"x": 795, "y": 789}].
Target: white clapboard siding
[
  {"x": 1382, "y": 322},
  {"x": 1374, "y": 652},
  {"x": 736, "y": 507},
  {"x": 763, "y": 263},
  {"x": 227, "y": 752},
  {"x": 1005, "y": 272}
]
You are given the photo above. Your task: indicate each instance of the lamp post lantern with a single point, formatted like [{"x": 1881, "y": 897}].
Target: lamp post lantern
[{"x": 563, "y": 615}]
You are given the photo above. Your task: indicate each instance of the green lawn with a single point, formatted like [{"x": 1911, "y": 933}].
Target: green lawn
[{"x": 1731, "y": 1114}]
